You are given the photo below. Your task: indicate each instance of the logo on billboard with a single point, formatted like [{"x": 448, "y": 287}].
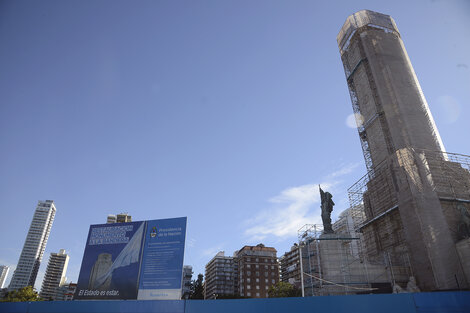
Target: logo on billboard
[{"x": 153, "y": 233}]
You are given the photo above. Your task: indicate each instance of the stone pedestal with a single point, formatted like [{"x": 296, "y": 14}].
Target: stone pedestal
[{"x": 343, "y": 272}]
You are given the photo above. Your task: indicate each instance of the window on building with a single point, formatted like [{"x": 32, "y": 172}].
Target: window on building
[
  {"x": 257, "y": 294},
  {"x": 257, "y": 280},
  {"x": 248, "y": 266},
  {"x": 248, "y": 286},
  {"x": 257, "y": 273},
  {"x": 248, "y": 294},
  {"x": 248, "y": 280},
  {"x": 257, "y": 287},
  {"x": 257, "y": 266},
  {"x": 273, "y": 281}
]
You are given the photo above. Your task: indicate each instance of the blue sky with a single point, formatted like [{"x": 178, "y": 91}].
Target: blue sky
[{"x": 227, "y": 112}]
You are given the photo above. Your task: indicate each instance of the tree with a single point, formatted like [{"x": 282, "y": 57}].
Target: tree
[
  {"x": 197, "y": 288},
  {"x": 282, "y": 290},
  {"x": 22, "y": 295}
]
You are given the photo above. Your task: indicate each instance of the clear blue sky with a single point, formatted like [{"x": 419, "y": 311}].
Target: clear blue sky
[{"x": 227, "y": 112}]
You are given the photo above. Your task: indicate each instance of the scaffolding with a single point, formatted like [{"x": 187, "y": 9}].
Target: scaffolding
[
  {"x": 415, "y": 202},
  {"x": 375, "y": 206},
  {"x": 368, "y": 252},
  {"x": 333, "y": 264},
  {"x": 449, "y": 174}
]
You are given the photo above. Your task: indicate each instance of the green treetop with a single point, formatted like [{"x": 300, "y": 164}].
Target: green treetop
[{"x": 22, "y": 295}]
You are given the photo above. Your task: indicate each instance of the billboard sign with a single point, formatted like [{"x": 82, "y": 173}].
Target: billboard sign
[{"x": 135, "y": 260}]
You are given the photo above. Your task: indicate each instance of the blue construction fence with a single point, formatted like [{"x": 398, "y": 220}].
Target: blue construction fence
[{"x": 455, "y": 302}]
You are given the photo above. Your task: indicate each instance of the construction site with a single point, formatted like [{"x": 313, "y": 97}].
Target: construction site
[
  {"x": 369, "y": 251},
  {"x": 407, "y": 228},
  {"x": 336, "y": 264},
  {"x": 408, "y": 224},
  {"x": 449, "y": 176}
]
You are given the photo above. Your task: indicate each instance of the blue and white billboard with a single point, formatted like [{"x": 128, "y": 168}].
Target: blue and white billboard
[{"x": 136, "y": 260}]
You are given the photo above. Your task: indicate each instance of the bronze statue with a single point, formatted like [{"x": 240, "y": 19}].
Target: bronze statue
[{"x": 326, "y": 209}]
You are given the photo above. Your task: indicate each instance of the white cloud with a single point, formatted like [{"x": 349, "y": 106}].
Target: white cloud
[
  {"x": 292, "y": 208},
  {"x": 449, "y": 109},
  {"x": 344, "y": 170},
  {"x": 212, "y": 251}
]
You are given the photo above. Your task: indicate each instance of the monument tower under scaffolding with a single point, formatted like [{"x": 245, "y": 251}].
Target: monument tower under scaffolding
[{"x": 416, "y": 196}]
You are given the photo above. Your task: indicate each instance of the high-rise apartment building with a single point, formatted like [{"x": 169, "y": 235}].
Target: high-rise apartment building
[
  {"x": 221, "y": 276},
  {"x": 3, "y": 275},
  {"x": 290, "y": 267},
  {"x": 119, "y": 218},
  {"x": 416, "y": 196},
  {"x": 33, "y": 250},
  {"x": 258, "y": 269},
  {"x": 55, "y": 275}
]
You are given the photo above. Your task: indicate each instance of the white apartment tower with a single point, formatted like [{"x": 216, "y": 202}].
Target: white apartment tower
[
  {"x": 55, "y": 275},
  {"x": 3, "y": 275},
  {"x": 34, "y": 246}
]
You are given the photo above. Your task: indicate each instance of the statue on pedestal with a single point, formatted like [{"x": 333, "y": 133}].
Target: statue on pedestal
[{"x": 326, "y": 209}]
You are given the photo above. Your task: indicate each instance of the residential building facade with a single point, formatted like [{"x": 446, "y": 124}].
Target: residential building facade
[
  {"x": 33, "y": 250},
  {"x": 66, "y": 292},
  {"x": 258, "y": 269},
  {"x": 118, "y": 218},
  {"x": 3, "y": 275},
  {"x": 111, "y": 219},
  {"x": 55, "y": 275},
  {"x": 290, "y": 267},
  {"x": 221, "y": 276}
]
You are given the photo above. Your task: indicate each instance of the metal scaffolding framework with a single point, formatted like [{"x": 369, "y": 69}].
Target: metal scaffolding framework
[
  {"x": 376, "y": 194},
  {"x": 376, "y": 207},
  {"x": 334, "y": 264}
]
